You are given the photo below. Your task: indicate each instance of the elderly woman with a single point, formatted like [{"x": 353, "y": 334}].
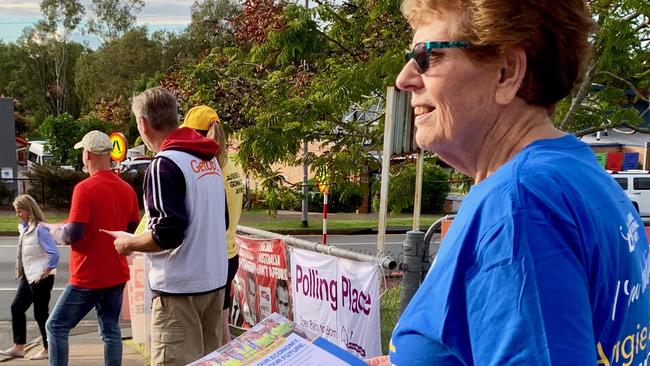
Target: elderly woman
[{"x": 547, "y": 261}]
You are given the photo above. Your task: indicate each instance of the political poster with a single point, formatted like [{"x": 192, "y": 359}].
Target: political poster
[
  {"x": 261, "y": 285},
  {"x": 136, "y": 297},
  {"x": 277, "y": 341},
  {"x": 338, "y": 299}
]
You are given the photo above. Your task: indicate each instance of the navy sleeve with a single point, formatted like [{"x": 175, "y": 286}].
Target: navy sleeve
[
  {"x": 72, "y": 232},
  {"x": 164, "y": 194}
]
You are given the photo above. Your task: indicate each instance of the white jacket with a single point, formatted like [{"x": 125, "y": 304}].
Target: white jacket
[{"x": 32, "y": 259}]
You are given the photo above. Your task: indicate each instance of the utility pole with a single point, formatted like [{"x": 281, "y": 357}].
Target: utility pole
[
  {"x": 305, "y": 174},
  {"x": 305, "y": 188}
]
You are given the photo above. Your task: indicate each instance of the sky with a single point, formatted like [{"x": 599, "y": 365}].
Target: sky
[{"x": 171, "y": 15}]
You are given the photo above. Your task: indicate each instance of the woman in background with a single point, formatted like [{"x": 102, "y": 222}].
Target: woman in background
[
  {"x": 205, "y": 120},
  {"x": 35, "y": 268}
]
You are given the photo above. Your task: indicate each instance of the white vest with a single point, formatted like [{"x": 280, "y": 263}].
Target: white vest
[
  {"x": 200, "y": 263},
  {"x": 32, "y": 261}
]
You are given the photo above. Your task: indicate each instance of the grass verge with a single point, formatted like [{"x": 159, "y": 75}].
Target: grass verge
[
  {"x": 390, "y": 309},
  {"x": 346, "y": 224},
  {"x": 9, "y": 223}
]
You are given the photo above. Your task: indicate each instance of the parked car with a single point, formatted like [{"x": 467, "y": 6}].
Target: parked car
[
  {"x": 636, "y": 184},
  {"x": 38, "y": 154},
  {"x": 135, "y": 165}
]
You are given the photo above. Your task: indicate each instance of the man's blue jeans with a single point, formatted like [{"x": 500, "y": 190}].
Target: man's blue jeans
[{"x": 72, "y": 306}]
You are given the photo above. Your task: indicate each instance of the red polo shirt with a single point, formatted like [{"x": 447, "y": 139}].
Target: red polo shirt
[{"x": 102, "y": 201}]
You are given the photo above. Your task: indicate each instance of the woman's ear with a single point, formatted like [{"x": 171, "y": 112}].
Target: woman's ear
[{"x": 513, "y": 71}]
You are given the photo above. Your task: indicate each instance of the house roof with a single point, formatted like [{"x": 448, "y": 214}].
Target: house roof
[
  {"x": 617, "y": 137},
  {"x": 22, "y": 142}
]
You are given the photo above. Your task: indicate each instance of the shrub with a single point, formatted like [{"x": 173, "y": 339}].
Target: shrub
[
  {"x": 56, "y": 183},
  {"x": 62, "y": 132},
  {"x": 344, "y": 196},
  {"x": 6, "y": 193},
  {"x": 401, "y": 190},
  {"x": 59, "y": 184},
  {"x": 280, "y": 198}
]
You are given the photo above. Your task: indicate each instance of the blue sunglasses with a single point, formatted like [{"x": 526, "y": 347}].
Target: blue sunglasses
[{"x": 421, "y": 52}]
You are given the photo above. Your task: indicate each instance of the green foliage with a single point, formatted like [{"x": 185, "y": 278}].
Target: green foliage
[
  {"x": 62, "y": 16},
  {"x": 401, "y": 188},
  {"x": 224, "y": 82},
  {"x": 115, "y": 68},
  {"x": 344, "y": 196},
  {"x": 59, "y": 184},
  {"x": 277, "y": 198},
  {"x": 27, "y": 73},
  {"x": 6, "y": 194},
  {"x": 391, "y": 307},
  {"x": 62, "y": 132},
  {"x": 621, "y": 62},
  {"x": 459, "y": 183},
  {"x": 298, "y": 84},
  {"x": 112, "y": 18},
  {"x": 56, "y": 183}
]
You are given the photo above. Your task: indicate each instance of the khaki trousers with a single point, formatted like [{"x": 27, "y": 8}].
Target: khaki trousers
[{"x": 185, "y": 328}]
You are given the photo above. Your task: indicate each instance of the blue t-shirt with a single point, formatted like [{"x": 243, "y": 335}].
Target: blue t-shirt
[{"x": 546, "y": 263}]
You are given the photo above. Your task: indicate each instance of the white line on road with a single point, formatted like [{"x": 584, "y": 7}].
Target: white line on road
[
  {"x": 13, "y": 246},
  {"x": 13, "y": 289}
]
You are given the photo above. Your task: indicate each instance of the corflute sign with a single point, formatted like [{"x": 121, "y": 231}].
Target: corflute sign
[
  {"x": 308, "y": 283},
  {"x": 338, "y": 299}
]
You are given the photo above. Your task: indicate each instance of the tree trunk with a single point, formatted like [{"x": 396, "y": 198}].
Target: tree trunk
[{"x": 580, "y": 96}]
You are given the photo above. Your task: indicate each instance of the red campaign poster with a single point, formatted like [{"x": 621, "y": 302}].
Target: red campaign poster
[{"x": 261, "y": 285}]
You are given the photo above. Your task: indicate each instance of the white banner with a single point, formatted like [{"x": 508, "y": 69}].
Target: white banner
[{"x": 338, "y": 299}]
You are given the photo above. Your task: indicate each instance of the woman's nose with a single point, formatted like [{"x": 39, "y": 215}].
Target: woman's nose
[{"x": 409, "y": 78}]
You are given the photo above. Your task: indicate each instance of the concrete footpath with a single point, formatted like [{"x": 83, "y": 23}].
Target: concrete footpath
[{"x": 86, "y": 347}]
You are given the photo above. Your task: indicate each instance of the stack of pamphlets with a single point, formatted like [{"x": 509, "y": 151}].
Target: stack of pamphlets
[{"x": 277, "y": 341}]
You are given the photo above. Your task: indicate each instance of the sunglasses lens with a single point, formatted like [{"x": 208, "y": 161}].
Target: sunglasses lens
[
  {"x": 407, "y": 56},
  {"x": 421, "y": 57}
]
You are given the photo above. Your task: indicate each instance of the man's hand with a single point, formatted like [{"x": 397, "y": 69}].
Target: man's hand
[
  {"x": 55, "y": 232},
  {"x": 122, "y": 245}
]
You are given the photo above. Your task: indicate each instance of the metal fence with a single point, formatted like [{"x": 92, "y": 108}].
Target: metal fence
[
  {"x": 401, "y": 277},
  {"x": 12, "y": 187},
  {"x": 409, "y": 270}
]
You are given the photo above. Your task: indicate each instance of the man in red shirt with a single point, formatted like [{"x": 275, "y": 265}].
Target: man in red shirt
[{"x": 97, "y": 272}]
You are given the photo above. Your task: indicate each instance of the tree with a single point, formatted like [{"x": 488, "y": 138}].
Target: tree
[
  {"x": 117, "y": 67},
  {"x": 27, "y": 72},
  {"x": 621, "y": 61},
  {"x": 62, "y": 17},
  {"x": 113, "y": 18},
  {"x": 62, "y": 132},
  {"x": 209, "y": 29},
  {"x": 210, "y": 24},
  {"x": 304, "y": 70},
  {"x": 22, "y": 122}
]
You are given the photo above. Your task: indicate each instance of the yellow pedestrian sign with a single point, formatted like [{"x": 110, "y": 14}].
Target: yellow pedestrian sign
[{"x": 118, "y": 141}]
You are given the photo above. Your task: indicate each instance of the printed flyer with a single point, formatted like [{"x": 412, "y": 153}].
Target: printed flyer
[
  {"x": 261, "y": 285},
  {"x": 277, "y": 341}
]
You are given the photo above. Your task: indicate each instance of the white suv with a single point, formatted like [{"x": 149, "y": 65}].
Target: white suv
[{"x": 636, "y": 184}]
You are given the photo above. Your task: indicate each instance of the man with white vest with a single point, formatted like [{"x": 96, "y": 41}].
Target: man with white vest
[{"x": 186, "y": 240}]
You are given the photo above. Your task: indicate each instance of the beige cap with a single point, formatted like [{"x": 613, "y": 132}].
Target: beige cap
[{"x": 95, "y": 142}]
